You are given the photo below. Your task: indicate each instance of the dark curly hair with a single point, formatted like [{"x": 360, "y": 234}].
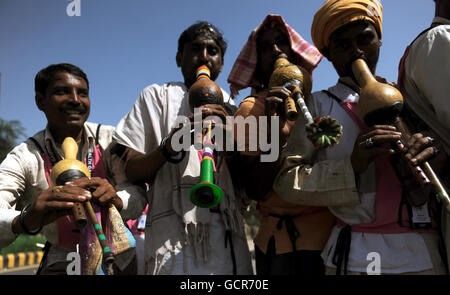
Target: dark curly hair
[
  {"x": 202, "y": 28},
  {"x": 45, "y": 76}
]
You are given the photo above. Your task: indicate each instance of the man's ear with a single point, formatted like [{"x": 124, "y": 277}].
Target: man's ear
[
  {"x": 39, "y": 98},
  {"x": 178, "y": 58}
]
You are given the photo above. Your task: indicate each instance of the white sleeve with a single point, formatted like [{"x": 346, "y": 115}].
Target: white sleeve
[
  {"x": 429, "y": 67},
  {"x": 140, "y": 128},
  {"x": 133, "y": 196},
  {"x": 12, "y": 185}
]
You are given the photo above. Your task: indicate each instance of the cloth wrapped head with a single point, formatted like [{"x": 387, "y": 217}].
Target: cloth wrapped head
[
  {"x": 242, "y": 73},
  {"x": 337, "y": 13}
]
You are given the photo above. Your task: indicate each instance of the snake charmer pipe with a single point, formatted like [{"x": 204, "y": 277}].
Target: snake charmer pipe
[
  {"x": 380, "y": 103},
  {"x": 206, "y": 194},
  {"x": 322, "y": 131},
  {"x": 204, "y": 90},
  {"x": 71, "y": 169}
]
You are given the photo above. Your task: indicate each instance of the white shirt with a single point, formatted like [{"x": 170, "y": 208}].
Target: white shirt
[
  {"x": 427, "y": 79},
  {"x": 173, "y": 221},
  {"x": 399, "y": 253},
  {"x": 426, "y": 86}
]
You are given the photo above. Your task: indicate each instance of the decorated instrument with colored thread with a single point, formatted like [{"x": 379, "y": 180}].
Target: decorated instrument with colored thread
[
  {"x": 204, "y": 90},
  {"x": 71, "y": 169},
  {"x": 285, "y": 74},
  {"x": 206, "y": 194},
  {"x": 324, "y": 131},
  {"x": 380, "y": 103}
]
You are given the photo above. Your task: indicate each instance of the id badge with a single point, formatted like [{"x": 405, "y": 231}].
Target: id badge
[
  {"x": 141, "y": 222},
  {"x": 421, "y": 216}
]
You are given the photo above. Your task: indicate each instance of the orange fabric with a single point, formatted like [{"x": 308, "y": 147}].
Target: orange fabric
[
  {"x": 337, "y": 13},
  {"x": 314, "y": 225}
]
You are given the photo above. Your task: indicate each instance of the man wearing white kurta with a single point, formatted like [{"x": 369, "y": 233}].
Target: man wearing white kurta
[
  {"x": 182, "y": 238},
  {"x": 424, "y": 75}
]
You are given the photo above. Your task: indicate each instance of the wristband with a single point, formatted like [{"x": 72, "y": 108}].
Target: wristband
[
  {"x": 22, "y": 222},
  {"x": 167, "y": 155}
]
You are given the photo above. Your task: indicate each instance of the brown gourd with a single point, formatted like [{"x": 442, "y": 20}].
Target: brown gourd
[
  {"x": 204, "y": 90},
  {"x": 285, "y": 74},
  {"x": 67, "y": 170},
  {"x": 379, "y": 104},
  {"x": 70, "y": 169},
  {"x": 323, "y": 132}
]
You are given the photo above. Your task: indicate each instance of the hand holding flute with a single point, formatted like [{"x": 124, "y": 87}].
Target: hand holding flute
[
  {"x": 381, "y": 104},
  {"x": 70, "y": 170},
  {"x": 323, "y": 132}
]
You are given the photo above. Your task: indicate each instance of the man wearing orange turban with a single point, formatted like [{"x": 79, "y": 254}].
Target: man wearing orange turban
[
  {"x": 379, "y": 234},
  {"x": 333, "y": 17},
  {"x": 335, "y": 14}
]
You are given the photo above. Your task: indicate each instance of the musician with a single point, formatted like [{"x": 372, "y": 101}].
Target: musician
[
  {"x": 380, "y": 223},
  {"x": 424, "y": 72},
  {"x": 182, "y": 238},
  {"x": 62, "y": 94},
  {"x": 291, "y": 236}
]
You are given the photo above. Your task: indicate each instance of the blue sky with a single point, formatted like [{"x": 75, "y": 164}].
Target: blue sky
[{"x": 126, "y": 45}]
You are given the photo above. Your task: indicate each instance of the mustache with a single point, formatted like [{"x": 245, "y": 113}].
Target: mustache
[{"x": 74, "y": 107}]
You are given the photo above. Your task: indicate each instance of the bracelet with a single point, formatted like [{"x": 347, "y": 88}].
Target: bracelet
[
  {"x": 167, "y": 155},
  {"x": 22, "y": 222}
]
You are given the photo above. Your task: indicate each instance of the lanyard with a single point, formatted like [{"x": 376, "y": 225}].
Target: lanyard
[{"x": 89, "y": 156}]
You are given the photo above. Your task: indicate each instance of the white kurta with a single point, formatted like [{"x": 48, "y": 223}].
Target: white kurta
[
  {"x": 180, "y": 237},
  {"x": 427, "y": 89},
  {"x": 400, "y": 253},
  {"x": 427, "y": 79}
]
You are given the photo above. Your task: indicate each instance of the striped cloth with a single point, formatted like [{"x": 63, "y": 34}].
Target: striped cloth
[{"x": 241, "y": 75}]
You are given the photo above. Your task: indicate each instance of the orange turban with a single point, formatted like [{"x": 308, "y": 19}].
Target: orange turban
[{"x": 337, "y": 13}]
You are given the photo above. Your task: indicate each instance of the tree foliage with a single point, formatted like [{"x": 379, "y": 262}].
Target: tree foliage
[{"x": 10, "y": 131}]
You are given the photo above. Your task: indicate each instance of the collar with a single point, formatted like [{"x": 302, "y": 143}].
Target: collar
[
  {"x": 347, "y": 89},
  {"x": 349, "y": 83},
  {"x": 55, "y": 150},
  {"x": 441, "y": 20},
  {"x": 344, "y": 90}
]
